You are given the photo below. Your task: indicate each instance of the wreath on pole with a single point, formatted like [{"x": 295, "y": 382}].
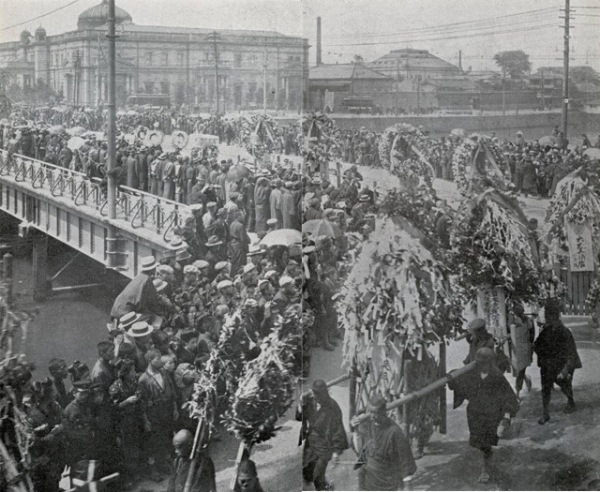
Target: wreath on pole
[
  {"x": 478, "y": 164},
  {"x": 403, "y": 150}
]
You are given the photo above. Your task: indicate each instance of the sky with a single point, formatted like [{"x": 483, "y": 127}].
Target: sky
[{"x": 370, "y": 28}]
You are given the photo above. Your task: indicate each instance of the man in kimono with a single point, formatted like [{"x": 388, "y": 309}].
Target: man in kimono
[
  {"x": 385, "y": 457},
  {"x": 491, "y": 400},
  {"x": 239, "y": 242},
  {"x": 204, "y": 476},
  {"x": 323, "y": 434}
]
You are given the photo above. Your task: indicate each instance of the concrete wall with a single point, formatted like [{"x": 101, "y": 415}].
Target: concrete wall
[{"x": 533, "y": 125}]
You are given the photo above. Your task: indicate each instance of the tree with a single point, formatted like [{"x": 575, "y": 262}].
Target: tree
[
  {"x": 514, "y": 63},
  {"x": 584, "y": 74},
  {"x": 358, "y": 59}
]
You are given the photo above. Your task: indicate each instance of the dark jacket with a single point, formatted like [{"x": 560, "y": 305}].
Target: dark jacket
[{"x": 555, "y": 346}]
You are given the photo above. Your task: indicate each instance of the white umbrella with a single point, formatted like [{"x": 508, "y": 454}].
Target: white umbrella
[
  {"x": 282, "y": 237},
  {"x": 56, "y": 129},
  {"x": 76, "y": 131},
  {"x": 592, "y": 153},
  {"x": 75, "y": 143}
]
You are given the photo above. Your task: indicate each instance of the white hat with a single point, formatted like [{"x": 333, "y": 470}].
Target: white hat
[
  {"x": 285, "y": 280},
  {"x": 140, "y": 329},
  {"x": 159, "y": 284},
  {"x": 222, "y": 265},
  {"x": 128, "y": 319},
  {"x": 200, "y": 264},
  {"x": 270, "y": 273},
  {"x": 223, "y": 284},
  {"x": 148, "y": 263},
  {"x": 272, "y": 222},
  {"x": 196, "y": 206},
  {"x": 249, "y": 267},
  {"x": 176, "y": 242},
  {"x": 190, "y": 269}
]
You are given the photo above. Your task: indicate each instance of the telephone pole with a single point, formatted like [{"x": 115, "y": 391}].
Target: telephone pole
[
  {"x": 565, "y": 92},
  {"x": 213, "y": 37},
  {"x": 111, "y": 192},
  {"x": 397, "y": 84},
  {"x": 265, "y": 81}
]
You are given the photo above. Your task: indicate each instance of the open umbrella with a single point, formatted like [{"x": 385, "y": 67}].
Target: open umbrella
[
  {"x": 458, "y": 132},
  {"x": 238, "y": 172},
  {"x": 282, "y": 237},
  {"x": 56, "y": 129},
  {"x": 76, "y": 131},
  {"x": 592, "y": 153},
  {"x": 547, "y": 140},
  {"x": 75, "y": 143},
  {"x": 321, "y": 227}
]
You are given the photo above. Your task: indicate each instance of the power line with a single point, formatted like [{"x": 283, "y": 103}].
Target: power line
[
  {"x": 40, "y": 16},
  {"x": 466, "y": 25},
  {"x": 444, "y": 38}
]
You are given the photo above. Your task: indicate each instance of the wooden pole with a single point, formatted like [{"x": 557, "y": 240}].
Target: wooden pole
[
  {"x": 442, "y": 366},
  {"x": 7, "y": 272},
  {"x": 193, "y": 456},
  {"x": 40, "y": 270},
  {"x": 333, "y": 382},
  {"x": 242, "y": 454},
  {"x": 415, "y": 395},
  {"x": 352, "y": 391}
]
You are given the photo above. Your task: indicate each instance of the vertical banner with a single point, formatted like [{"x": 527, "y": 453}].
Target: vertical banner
[
  {"x": 491, "y": 306},
  {"x": 328, "y": 101},
  {"x": 581, "y": 253}
]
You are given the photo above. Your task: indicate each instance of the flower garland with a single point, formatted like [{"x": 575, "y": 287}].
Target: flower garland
[
  {"x": 491, "y": 246},
  {"x": 409, "y": 136},
  {"x": 399, "y": 298},
  {"x": 587, "y": 207},
  {"x": 491, "y": 168},
  {"x": 266, "y": 130}
]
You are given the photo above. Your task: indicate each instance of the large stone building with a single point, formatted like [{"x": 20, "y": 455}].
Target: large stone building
[{"x": 158, "y": 64}]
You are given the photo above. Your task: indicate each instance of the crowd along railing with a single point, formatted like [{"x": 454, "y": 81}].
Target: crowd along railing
[{"x": 142, "y": 210}]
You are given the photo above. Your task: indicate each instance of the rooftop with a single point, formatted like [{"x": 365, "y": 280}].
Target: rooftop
[
  {"x": 413, "y": 59},
  {"x": 344, "y": 71}
]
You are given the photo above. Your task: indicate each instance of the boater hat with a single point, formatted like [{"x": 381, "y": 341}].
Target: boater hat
[
  {"x": 140, "y": 329},
  {"x": 128, "y": 319},
  {"x": 148, "y": 263},
  {"x": 214, "y": 241}
]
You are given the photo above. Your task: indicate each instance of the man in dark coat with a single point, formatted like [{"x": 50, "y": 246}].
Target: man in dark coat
[
  {"x": 491, "y": 399},
  {"x": 139, "y": 295},
  {"x": 204, "y": 476},
  {"x": 323, "y": 434},
  {"x": 478, "y": 337},
  {"x": 102, "y": 373},
  {"x": 557, "y": 358},
  {"x": 239, "y": 243},
  {"x": 385, "y": 457}
]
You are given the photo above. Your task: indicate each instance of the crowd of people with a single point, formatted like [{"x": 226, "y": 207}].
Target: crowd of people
[{"x": 129, "y": 410}]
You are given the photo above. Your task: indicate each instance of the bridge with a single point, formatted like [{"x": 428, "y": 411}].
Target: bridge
[{"x": 72, "y": 208}]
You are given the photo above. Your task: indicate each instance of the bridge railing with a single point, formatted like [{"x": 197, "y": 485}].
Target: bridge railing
[{"x": 142, "y": 210}]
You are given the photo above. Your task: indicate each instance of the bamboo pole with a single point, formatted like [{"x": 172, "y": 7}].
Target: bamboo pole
[
  {"x": 415, "y": 395},
  {"x": 333, "y": 382},
  {"x": 193, "y": 456},
  {"x": 443, "y": 427}
]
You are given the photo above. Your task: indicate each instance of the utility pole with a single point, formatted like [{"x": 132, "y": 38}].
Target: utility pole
[
  {"x": 265, "y": 81},
  {"x": 565, "y": 94},
  {"x": 418, "y": 94},
  {"x": 397, "y": 84},
  {"x": 111, "y": 193},
  {"x": 504, "y": 91},
  {"x": 543, "y": 90},
  {"x": 213, "y": 36}
]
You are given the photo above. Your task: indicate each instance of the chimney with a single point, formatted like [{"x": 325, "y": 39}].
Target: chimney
[
  {"x": 460, "y": 60},
  {"x": 319, "y": 59}
]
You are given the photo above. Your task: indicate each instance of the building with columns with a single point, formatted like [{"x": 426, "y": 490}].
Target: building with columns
[{"x": 159, "y": 64}]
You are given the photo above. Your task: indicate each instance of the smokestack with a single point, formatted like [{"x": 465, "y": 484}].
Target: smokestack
[
  {"x": 319, "y": 59},
  {"x": 460, "y": 60}
]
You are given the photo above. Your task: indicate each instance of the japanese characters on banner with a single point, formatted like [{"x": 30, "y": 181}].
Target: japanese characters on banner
[
  {"x": 329, "y": 101},
  {"x": 491, "y": 306},
  {"x": 581, "y": 252}
]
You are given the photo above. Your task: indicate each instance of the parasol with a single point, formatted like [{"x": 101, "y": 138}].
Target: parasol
[
  {"x": 238, "y": 172},
  {"x": 282, "y": 237},
  {"x": 76, "y": 131},
  {"x": 56, "y": 129},
  {"x": 547, "y": 140},
  {"x": 75, "y": 143},
  {"x": 321, "y": 227},
  {"x": 592, "y": 153},
  {"x": 458, "y": 132}
]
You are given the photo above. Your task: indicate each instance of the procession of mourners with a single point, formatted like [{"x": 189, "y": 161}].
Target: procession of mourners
[{"x": 265, "y": 239}]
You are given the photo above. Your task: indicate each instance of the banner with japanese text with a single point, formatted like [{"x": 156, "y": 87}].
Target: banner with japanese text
[
  {"x": 491, "y": 306},
  {"x": 581, "y": 251}
]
